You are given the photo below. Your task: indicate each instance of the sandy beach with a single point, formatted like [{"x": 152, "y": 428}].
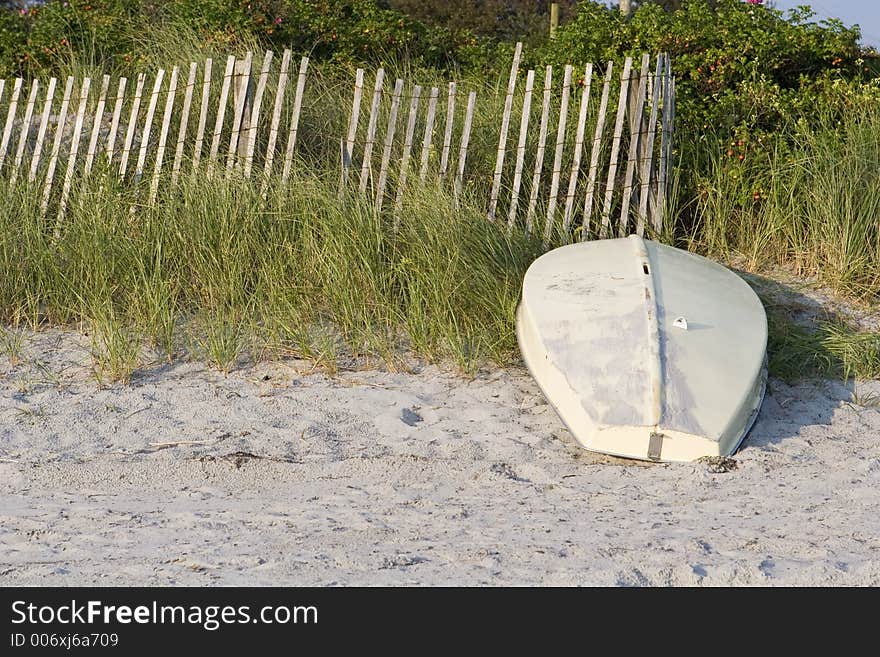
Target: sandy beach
[{"x": 278, "y": 475}]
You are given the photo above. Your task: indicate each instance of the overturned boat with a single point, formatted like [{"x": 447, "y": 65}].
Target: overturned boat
[{"x": 645, "y": 351}]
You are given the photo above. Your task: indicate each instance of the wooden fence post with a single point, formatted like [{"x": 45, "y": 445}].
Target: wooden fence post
[
  {"x": 542, "y": 141},
  {"x": 24, "y": 131},
  {"x": 294, "y": 118},
  {"x": 56, "y": 145},
  {"x": 521, "y": 149},
  {"x": 595, "y": 152},
  {"x": 615, "y": 147},
  {"x": 41, "y": 135},
  {"x": 557, "y": 158},
  {"x": 502, "y": 138},
  {"x": 578, "y": 150},
  {"x": 371, "y": 130},
  {"x": 463, "y": 149},
  {"x": 348, "y": 145}
]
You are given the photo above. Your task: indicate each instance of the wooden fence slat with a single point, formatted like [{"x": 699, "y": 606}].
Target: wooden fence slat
[
  {"x": 276, "y": 120},
  {"x": 647, "y": 170},
  {"x": 294, "y": 118},
  {"x": 557, "y": 158},
  {"x": 163, "y": 134},
  {"x": 74, "y": 149},
  {"x": 44, "y": 125},
  {"x": 56, "y": 145},
  {"x": 254, "y": 126},
  {"x": 241, "y": 98},
  {"x": 184, "y": 122},
  {"x": 665, "y": 146},
  {"x": 221, "y": 114},
  {"x": 371, "y": 130},
  {"x": 429, "y": 133},
  {"x": 635, "y": 123},
  {"x": 447, "y": 133},
  {"x": 578, "y": 150},
  {"x": 595, "y": 152},
  {"x": 539, "y": 155},
  {"x": 203, "y": 114},
  {"x": 24, "y": 131},
  {"x": 10, "y": 119},
  {"x": 502, "y": 138},
  {"x": 463, "y": 148},
  {"x": 521, "y": 149},
  {"x": 148, "y": 125},
  {"x": 615, "y": 147},
  {"x": 96, "y": 124},
  {"x": 348, "y": 144},
  {"x": 389, "y": 142},
  {"x": 114, "y": 123},
  {"x": 407, "y": 150},
  {"x": 132, "y": 123}
]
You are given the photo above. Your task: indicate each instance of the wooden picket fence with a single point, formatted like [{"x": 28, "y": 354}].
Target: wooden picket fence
[{"x": 156, "y": 128}]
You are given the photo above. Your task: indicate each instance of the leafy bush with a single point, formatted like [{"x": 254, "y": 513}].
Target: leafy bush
[{"x": 738, "y": 65}]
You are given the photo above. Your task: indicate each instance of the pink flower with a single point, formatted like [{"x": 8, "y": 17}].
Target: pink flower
[{"x": 278, "y": 21}]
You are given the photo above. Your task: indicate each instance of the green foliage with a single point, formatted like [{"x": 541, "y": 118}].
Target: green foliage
[
  {"x": 110, "y": 33},
  {"x": 737, "y": 65}
]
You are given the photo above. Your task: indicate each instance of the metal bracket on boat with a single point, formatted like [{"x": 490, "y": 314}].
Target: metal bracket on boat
[
  {"x": 680, "y": 322},
  {"x": 655, "y": 445}
]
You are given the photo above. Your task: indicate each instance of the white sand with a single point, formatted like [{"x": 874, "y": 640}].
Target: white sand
[{"x": 378, "y": 478}]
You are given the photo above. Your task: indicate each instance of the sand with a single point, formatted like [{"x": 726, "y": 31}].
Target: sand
[{"x": 275, "y": 476}]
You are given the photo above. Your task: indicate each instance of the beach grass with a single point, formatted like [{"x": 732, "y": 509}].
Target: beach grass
[{"x": 219, "y": 272}]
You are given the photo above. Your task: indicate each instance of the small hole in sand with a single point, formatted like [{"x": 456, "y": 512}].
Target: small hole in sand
[{"x": 645, "y": 268}]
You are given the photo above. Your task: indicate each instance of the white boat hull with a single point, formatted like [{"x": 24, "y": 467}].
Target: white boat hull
[{"x": 644, "y": 350}]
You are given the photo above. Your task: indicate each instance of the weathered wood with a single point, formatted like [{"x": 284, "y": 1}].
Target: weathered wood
[
  {"x": 254, "y": 126},
  {"x": 74, "y": 149},
  {"x": 502, "y": 138},
  {"x": 389, "y": 142},
  {"x": 578, "y": 150},
  {"x": 184, "y": 122},
  {"x": 615, "y": 147},
  {"x": 463, "y": 148},
  {"x": 221, "y": 114},
  {"x": 148, "y": 125},
  {"x": 96, "y": 124},
  {"x": 24, "y": 130},
  {"x": 242, "y": 98},
  {"x": 429, "y": 133},
  {"x": 163, "y": 134},
  {"x": 56, "y": 144},
  {"x": 665, "y": 147},
  {"x": 521, "y": 149},
  {"x": 407, "y": 150},
  {"x": 539, "y": 155},
  {"x": 647, "y": 168},
  {"x": 557, "y": 158},
  {"x": 114, "y": 123},
  {"x": 633, "y": 154},
  {"x": 132, "y": 124},
  {"x": 10, "y": 119},
  {"x": 371, "y": 131},
  {"x": 447, "y": 132},
  {"x": 203, "y": 114},
  {"x": 276, "y": 120},
  {"x": 44, "y": 125},
  {"x": 348, "y": 149},
  {"x": 294, "y": 119},
  {"x": 595, "y": 152},
  {"x": 554, "y": 19}
]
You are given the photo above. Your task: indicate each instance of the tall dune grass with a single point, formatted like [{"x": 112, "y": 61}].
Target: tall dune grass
[
  {"x": 217, "y": 272},
  {"x": 815, "y": 206}
]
